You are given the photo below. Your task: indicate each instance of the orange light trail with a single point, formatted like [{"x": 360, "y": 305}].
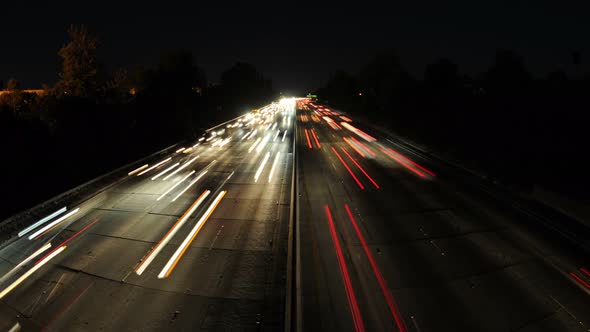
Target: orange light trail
[
  {"x": 348, "y": 169},
  {"x": 354, "y": 147},
  {"x": 399, "y": 321},
  {"x": 403, "y": 163},
  {"x": 364, "y": 147},
  {"x": 362, "y": 170},
  {"x": 352, "y": 302},
  {"x": 308, "y": 140},
  {"x": 315, "y": 138}
]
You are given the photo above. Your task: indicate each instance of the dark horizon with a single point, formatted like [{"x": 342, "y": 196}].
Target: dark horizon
[{"x": 299, "y": 49}]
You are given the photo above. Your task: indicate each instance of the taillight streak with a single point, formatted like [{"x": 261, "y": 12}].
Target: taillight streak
[
  {"x": 359, "y": 167},
  {"x": 412, "y": 162},
  {"x": 364, "y": 147},
  {"x": 308, "y": 140},
  {"x": 352, "y": 301},
  {"x": 348, "y": 169},
  {"x": 403, "y": 163},
  {"x": 399, "y": 321},
  {"x": 69, "y": 239},
  {"x": 315, "y": 138}
]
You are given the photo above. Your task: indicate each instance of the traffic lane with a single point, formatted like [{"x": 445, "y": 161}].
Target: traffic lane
[
  {"x": 492, "y": 240},
  {"x": 325, "y": 302},
  {"x": 110, "y": 261}
]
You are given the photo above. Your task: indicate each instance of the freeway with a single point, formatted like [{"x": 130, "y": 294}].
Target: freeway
[
  {"x": 192, "y": 240},
  {"x": 388, "y": 242},
  {"x": 202, "y": 239}
]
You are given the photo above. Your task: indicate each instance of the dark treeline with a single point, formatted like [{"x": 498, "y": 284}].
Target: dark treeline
[
  {"x": 520, "y": 130},
  {"x": 94, "y": 120}
]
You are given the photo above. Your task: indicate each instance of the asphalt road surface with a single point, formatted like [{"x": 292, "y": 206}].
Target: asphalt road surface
[
  {"x": 383, "y": 241},
  {"x": 389, "y": 243},
  {"x": 230, "y": 276}
]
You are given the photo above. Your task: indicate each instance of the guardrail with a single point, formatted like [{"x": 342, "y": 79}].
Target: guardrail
[{"x": 9, "y": 226}]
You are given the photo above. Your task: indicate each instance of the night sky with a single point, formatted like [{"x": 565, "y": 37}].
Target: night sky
[{"x": 297, "y": 45}]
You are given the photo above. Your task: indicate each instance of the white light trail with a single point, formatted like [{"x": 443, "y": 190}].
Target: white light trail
[
  {"x": 138, "y": 169},
  {"x": 276, "y": 135},
  {"x": 28, "y": 259},
  {"x": 164, "y": 241},
  {"x": 50, "y": 225},
  {"x": 31, "y": 271},
  {"x": 189, "y": 185},
  {"x": 274, "y": 125},
  {"x": 261, "y": 167},
  {"x": 274, "y": 164},
  {"x": 254, "y": 145},
  {"x": 156, "y": 165},
  {"x": 248, "y": 133},
  {"x": 42, "y": 221},
  {"x": 187, "y": 151},
  {"x": 175, "y": 185},
  {"x": 263, "y": 143},
  {"x": 184, "y": 245},
  {"x": 180, "y": 150},
  {"x": 284, "y": 134},
  {"x": 164, "y": 171},
  {"x": 253, "y": 134},
  {"x": 194, "y": 146},
  {"x": 359, "y": 132},
  {"x": 180, "y": 168}
]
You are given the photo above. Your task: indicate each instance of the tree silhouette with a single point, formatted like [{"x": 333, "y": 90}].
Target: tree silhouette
[{"x": 80, "y": 70}]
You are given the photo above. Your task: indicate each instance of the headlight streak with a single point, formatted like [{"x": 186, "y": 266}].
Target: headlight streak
[
  {"x": 169, "y": 267},
  {"x": 359, "y": 132},
  {"x": 31, "y": 271},
  {"x": 190, "y": 185},
  {"x": 180, "y": 168},
  {"x": 254, "y": 145},
  {"x": 261, "y": 166},
  {"x": 180, "y": 150},
  {"x": 195, "y": 146},
  {"x": 284, "y": 134},
  {"x": 53, "y": 224},
  {"x": 276, "y": 135},
  {"x": 263, "y": 143},
  {"x": 155, "y": 166},
  {"x": 188, "y": 150},
  {"x": 359, "y": 167},
  {"x": 42, "y": 221},
  {"x": 138, "y": 169},
  {"x": 171, "y": 232},
  {"x": 274, "y": 164},
  {"x": 25, "y": 261},
  {"x": 164, "y": 171},
  {"x": 243, "y": 137},
  {"x": 348, "y": 169},
  {"x": 175, "y": 185}
]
